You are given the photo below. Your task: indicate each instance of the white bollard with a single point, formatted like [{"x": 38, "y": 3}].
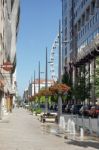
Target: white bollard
[{"x": 81, "y": 133}]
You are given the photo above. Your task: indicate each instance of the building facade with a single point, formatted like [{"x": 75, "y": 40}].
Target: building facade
[
  {"x": 33, "y": 88},
  {"x": 9, "y": 23},
  {"x": 80, "y": 26}
]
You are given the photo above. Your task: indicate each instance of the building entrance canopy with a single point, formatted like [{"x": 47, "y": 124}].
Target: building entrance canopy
[{"x": 89, "y": 51}]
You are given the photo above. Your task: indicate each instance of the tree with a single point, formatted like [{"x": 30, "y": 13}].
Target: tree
[
  {"x": 97, "y": 78},
  {"x": 81, "y": 89},
  {"x": 66, "y": 80}
]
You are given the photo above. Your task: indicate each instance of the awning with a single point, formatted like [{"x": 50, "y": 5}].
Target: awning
[{"x": 88, "y": 49}]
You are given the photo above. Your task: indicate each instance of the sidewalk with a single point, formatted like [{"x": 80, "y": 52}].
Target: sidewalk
[{"x": 24, "y": 132}]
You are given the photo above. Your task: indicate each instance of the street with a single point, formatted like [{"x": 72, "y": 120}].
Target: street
[{"x": 23, "y": 131}]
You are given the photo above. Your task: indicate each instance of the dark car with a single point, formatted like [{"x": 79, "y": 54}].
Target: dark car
[
  {"x": 55, "y": 108},
  {"x": 67, "y": 108},
  {"x": 63, "y": 108},
  {"x": 94, "y": 111},
  {"x": 84, "y": 110},
  {"x": 75, "y": 108}
]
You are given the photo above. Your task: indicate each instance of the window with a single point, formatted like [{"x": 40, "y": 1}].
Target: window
[
  {"x": 85, "y": 28},
  {"x": 97, "y": 3},
  {"x": 65, "y": 21},
  {"x": 83, "y": 31},
  {"x": 79, "y": 25},
  {"x": 96, "y": 17},
  {"x": 65, "y": 61},
  {"x": 12, "y": 2},
  {"x": 92, "y": 7},
  {"x": 71, "y": 45},
  {"x": 65, "y": 51},
  {"x": 93, "y": 19},
  {"x": 87, "y": 13},
  {"x": 83, "y": 19},
  {"x": 90, "y": 22},
  {"x": 66, "y": 31}
]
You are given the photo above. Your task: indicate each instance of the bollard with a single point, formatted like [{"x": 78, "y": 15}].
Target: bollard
[
  {"x": 98, "y": 126},
  {"x": 83, "y": 125},
  {"x": 81, "y": 133},
  {"x": 90, "y": 126},
  {"x": 77, "y": 121}
]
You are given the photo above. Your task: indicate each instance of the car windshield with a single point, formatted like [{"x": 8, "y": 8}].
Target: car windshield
[{"x": 97, "y": 107}]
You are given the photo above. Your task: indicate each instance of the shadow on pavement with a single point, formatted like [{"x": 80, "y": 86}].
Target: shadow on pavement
[{"x": 84, "y": 144}]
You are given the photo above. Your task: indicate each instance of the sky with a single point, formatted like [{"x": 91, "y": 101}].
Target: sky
[{"x": 38, "y": 28}]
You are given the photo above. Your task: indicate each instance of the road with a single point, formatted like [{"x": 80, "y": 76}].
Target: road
[{"x": 23, "y": 131}]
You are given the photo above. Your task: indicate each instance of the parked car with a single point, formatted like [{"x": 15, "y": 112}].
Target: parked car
[
  {"x": 63, "y": 108},
  {"x": 55, "y": 108},
  {"x": 67, "y": 108},
  {"x": 84, "y": 110},
  {"x": 94, "y": 111},
  {"x": 75, "y": 108},
  {"x": 97, "y": 110}
]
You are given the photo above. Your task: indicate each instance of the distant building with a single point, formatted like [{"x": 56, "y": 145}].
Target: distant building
[
  {"x": 34, "y": 86},
  {"x": 25, "y": 95}
]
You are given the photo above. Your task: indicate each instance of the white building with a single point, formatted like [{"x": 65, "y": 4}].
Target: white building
[
  {"x": 34, "y": 86},
  {"x": 9, "y": 22}
]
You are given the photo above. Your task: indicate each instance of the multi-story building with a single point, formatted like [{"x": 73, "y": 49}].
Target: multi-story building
[
  {"x": 9, "y": 22},
  {"x": 80, "y": 26},
  {"x": 33, "y": 87}
]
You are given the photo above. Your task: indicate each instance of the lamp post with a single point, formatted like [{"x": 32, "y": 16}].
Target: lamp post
[
  {"x": 59, "y": 74},
  {"x": 39, "y": 72},
  {"x": 34, "y": 82},
  {"x": 46, "y": 82},
  {"x": 39, "y": 77}
]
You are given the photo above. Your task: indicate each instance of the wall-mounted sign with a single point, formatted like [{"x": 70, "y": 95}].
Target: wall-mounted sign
[{"x": 7, "y": 66}]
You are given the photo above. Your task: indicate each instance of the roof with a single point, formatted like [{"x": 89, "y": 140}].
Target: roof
[{"x": 42, "y": 81}]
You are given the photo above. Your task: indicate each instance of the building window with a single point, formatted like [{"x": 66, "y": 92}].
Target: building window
[
  {"x": 92, "y": 7},
  {"x": 96, "y": 17},
  {"x": 65, "y": 61},
  {"x": 66, "y": 31},
  {"x": 79, "y": 25},
  {"x": 97, "y": 4},
  {"x": 87, "y": 13},
  {"x": 65, "y": 21},
  {"x": 83, "y": 19},
  {"x": 65, "y": 51}
]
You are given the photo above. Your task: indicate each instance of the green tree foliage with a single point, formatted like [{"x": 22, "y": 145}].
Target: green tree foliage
[
  {"x": 81, "y": 89},
  {"x": 66, "y": 80},
  {"x": 97, "y": 77},
  {"x": 54, "y": 98}
]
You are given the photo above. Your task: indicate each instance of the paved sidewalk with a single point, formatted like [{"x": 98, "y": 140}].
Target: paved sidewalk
[{"x": 22, "y": 131}]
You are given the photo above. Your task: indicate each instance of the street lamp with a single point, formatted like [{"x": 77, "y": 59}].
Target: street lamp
[
  {"x": 59, "y": 74},
  {"x": 46, "y": 83},
  {"x": 39, "y": 72},
  {"x": 34, "y": 82}
]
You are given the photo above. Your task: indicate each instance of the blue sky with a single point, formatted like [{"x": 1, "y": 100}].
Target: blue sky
[{"x": 38, "y": 29}]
